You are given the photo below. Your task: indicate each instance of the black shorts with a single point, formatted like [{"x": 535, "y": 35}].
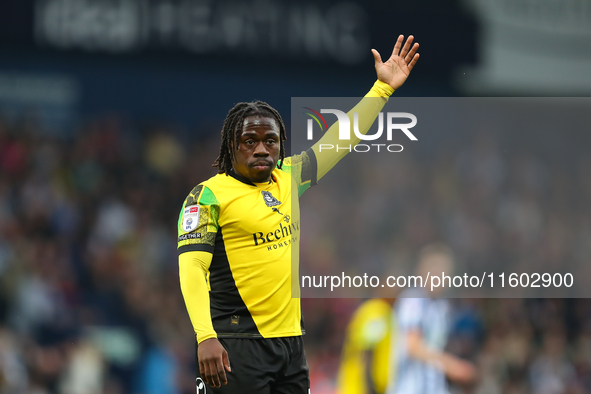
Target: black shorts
[{"x": 262, "y": 366}]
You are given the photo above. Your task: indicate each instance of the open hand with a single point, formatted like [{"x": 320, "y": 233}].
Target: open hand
[
  {"x": 213, "y": 362},
  {"x": 397, "y": 68}
]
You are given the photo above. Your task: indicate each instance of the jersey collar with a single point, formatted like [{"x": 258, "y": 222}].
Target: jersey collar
[{"x": 244, "y": 179}]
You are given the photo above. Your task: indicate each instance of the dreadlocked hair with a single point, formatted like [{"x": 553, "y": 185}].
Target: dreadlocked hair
[{"x": 232, "y": 130}]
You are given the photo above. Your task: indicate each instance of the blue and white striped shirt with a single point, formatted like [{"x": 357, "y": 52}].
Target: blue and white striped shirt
[{"x": 431, "y": 317}]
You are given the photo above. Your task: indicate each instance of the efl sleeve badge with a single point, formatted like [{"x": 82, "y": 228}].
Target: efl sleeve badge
[{"x": 190, "y": 218}]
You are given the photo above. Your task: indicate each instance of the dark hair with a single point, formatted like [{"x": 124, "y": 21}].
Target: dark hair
[{"x": 233, "y": 128}]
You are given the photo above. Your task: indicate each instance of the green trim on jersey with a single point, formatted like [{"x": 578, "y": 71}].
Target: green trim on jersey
[
  {"x": 203, "y": 237},
  {"x": 303, "y": 169}
]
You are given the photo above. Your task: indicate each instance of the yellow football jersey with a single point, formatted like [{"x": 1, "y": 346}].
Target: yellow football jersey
[{"x": 250, "y": 229}]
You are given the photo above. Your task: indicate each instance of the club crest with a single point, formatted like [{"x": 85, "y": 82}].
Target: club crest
[{"x": 270, "y": 200}]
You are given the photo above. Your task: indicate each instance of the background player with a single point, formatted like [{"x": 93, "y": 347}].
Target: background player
[
  {"x": 365, "y": 357},
  {"x": 422, "y": 321}
]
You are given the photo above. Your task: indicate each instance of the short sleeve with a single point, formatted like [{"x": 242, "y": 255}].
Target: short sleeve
[
  {"x": 198, "y": 221},
  {"x": 303, "y": 169}
]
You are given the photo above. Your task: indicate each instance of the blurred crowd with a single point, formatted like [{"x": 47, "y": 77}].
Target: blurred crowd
[
  {"x": 499, "y": 205},
  {"x": 90, "y": 300},
  {"x": 89, "y": 295},
  {"x": 505, "y": 199}
]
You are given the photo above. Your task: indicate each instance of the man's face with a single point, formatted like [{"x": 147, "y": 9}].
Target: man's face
[{"x": 258, "y": 149}]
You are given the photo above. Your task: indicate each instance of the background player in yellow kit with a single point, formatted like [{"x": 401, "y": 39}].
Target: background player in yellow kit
[
  {"x": 365, "y": 358},
  {"x": 236, "y": 231}
]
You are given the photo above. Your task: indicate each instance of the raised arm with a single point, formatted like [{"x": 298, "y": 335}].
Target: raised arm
[{"x": 391, "y": 75}]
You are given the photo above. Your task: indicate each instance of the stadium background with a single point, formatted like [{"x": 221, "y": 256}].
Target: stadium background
[{"x": 110, "y": 113}]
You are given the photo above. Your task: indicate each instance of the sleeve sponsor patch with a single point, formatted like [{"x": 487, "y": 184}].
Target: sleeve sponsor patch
[
  {"x": 185, "y": 237},
  {"x": 190, "y": 218}
]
